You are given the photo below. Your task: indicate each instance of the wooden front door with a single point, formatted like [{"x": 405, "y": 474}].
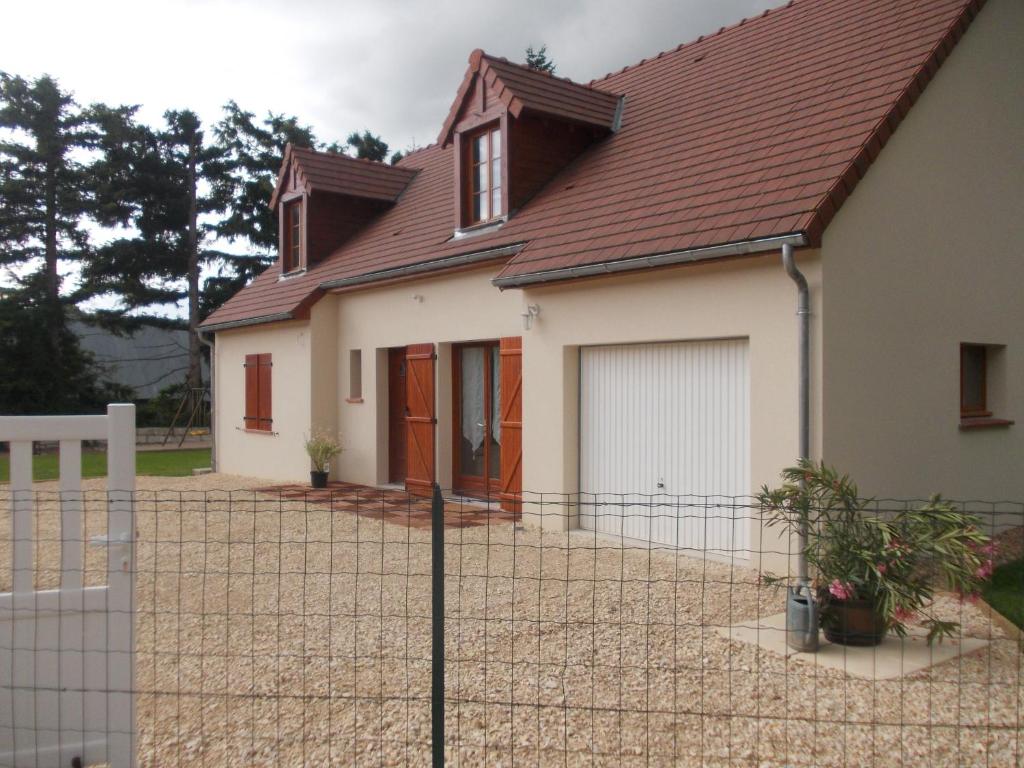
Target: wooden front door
[
  {"x": 476, "y": 443},
  {"x": 396, "y": 415},
  {"x": 420, "y": 418}
]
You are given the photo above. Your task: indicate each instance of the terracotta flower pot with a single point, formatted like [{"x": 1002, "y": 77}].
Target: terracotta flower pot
[
  {"x": 318, "y": 479},
  {"x": 852, "y": 622}
]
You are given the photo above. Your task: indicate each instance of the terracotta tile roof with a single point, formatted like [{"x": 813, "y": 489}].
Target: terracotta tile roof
[
  {"x": 520, "y": 87},
  {"x": 343, "y": 175},
  {"x": 758, "y": 131}
]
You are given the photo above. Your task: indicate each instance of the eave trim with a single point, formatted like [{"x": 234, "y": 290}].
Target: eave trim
[
  {"x": 739, "y": 248},
  {"x": 424, "y": 267},
  {"x": 215, "y": 327}
]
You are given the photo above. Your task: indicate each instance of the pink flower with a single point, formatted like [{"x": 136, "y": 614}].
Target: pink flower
[
  {"x": 984, "y": 572},
  {"x": 841, "y": 590},
  {"x": 882, "y": 567},
  {"x": 903, "y": 615},
  {"x": 897, "y": 549}
]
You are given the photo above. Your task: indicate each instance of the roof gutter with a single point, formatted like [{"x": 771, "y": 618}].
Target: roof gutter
[
  {"x": 422, "y": 267},
  {"x": 708, "y": 253},
  {"x": 215, "y": 327}
]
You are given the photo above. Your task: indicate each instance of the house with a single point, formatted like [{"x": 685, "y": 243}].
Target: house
[
  {"x": 147, "y": 359},
  {"x": 578, "y": 288}
]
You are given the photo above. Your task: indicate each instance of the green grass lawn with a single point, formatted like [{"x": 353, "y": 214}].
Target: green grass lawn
[
  {"x": 1005, "y": 592},
  {"x": 94, "y": 464}
]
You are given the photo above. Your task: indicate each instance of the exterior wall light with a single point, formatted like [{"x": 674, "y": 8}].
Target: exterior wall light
[{"x": 532, "y": 311}]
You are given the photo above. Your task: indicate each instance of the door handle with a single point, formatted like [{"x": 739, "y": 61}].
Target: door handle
[{"x": 120, "y": 544}]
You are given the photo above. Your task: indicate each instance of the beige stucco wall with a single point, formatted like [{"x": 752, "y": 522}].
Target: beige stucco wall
[
  {"x": 927, "y": 253},
  {"x": 323, "y": 381},
  {"x": 442, "y": 310},
  {"x": 749, "y": 298},
  {"x": 280, "y": 454}
]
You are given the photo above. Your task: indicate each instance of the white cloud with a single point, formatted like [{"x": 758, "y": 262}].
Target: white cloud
[{"x": 391, "y": 66}]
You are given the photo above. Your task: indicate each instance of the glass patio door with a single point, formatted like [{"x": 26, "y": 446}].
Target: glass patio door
[{"x": 477, "y": 438}]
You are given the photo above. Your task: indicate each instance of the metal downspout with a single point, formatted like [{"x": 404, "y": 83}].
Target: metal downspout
[
  {"x": 803, "y": 312},
  {"x": 213, "y": 411}
]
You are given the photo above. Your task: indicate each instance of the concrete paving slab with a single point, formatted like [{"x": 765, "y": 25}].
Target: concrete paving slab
[{"x": 895, "y": 658}]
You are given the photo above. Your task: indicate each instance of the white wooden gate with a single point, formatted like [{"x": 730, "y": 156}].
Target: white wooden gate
[
  {"x": 67, "y": 654},
  {"x": 665, "y": 444}
]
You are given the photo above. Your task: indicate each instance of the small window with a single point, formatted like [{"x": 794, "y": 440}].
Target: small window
[
  {"x": 355, "y": 376},
  {"x": 258, "y": 395},
  {"x": 484, "y": 183},
  {"x": 291, "y": 240},
  {"x": 983, "y": 392},
  {"x": 973, "y": 381}
]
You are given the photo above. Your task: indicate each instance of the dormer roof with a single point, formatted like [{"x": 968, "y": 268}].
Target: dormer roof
[
  {"x": 341, "y": 175},
  {"x": 724, "y": 144},
  {"x": 519, "y": 87}
]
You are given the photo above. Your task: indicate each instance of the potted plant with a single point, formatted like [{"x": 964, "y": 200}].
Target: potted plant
[
  {"x": 873, "y": 572},
  {"x": 321, "y": 446}
]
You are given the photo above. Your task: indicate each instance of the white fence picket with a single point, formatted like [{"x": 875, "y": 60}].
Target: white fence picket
[
  {"x": 71, "y": 509},
  {"x": 23, "y": 575},
  {"x": 67, "y": 654}
]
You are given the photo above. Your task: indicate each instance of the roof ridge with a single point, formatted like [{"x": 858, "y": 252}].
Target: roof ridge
[
  {"x": 527, "y": 68},
  {"x": 700, "y": 39},
  {"x": 343, "y": 156}
]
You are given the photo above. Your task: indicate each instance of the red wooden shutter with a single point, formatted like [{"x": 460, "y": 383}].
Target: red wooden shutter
[
  {"x": 252, "y": 391},
  {"x": 266, "y": 421},
  {"x": 420, "y": 420},
  {"x": 511, "y": 423}
]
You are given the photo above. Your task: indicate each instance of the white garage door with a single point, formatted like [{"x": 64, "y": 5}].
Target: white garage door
[{"x": 665, "y": 443}]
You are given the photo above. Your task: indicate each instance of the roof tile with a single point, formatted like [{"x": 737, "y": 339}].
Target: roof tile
[{"x": 762, "y": 129}]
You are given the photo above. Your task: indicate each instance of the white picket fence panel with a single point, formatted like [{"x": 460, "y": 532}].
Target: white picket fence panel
[{"x": 67, "y": 665}]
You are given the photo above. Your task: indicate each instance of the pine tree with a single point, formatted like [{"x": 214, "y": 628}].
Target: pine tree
[
  {"x": 44, "y": 185},
  {"x": 539, "y": 60},
  {"x": 46, "y": 197},
  {"x": 153, "y": 182},
  {"x": 368, "y": 146},
  {"x": 45, "y": 369}
]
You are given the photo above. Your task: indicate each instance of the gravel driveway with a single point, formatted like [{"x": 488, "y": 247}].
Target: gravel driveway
[{"x": 306, "y": 641}]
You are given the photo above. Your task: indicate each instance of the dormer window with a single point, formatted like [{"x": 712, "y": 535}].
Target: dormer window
[
  {"x": 291, "y": 239},
  {"x": 484, "y": 182},
  {"x": 513, "y": 130}
]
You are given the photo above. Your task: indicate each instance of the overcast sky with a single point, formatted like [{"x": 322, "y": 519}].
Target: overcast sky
[{"x": 392, "y": 66}]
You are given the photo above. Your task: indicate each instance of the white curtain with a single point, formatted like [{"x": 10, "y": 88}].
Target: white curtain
[{"x": 473, "y": 396}]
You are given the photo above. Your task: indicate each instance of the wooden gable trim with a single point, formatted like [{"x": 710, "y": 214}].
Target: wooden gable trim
[
  {"x": 511, "y": 103},
  {"x": 475, "y": 58},
  {"x": 282, "y": 176},
  {"x": 479, "y": 72}
]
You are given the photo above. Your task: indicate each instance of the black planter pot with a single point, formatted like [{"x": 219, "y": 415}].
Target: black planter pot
[
  {"x": 318, "y": 479},
  {"x": 852, "y": 622}
]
